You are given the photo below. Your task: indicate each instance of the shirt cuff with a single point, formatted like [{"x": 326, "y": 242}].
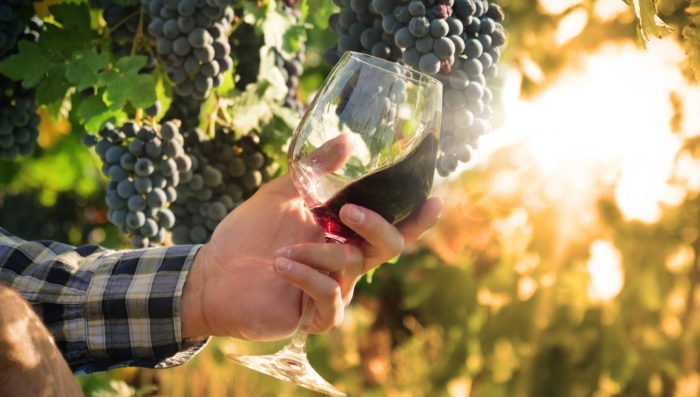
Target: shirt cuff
[{"x": 132, "y": 309}]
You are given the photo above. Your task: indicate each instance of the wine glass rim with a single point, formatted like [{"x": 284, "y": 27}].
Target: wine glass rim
[{"x": 379, "y": 63}]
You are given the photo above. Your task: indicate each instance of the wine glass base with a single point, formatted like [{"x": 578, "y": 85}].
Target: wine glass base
[{"x": 288, "y": 366}]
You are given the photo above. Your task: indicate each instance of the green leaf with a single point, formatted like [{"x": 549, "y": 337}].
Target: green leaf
[
  {"x": 131, "y": 64},
  {"x": 304, "y": 9},
  {"x": 29, "y": 65},
  {"x": 139, "y": 89},
  {"x": 322, "y": 10},
  {"x": 275, "y": 27},
  {"x": 294, "y": 38},
  {"x": 53, "y": 87},
  {"x": 277, "y": 89},
  {"x": 73, "y": 17},
  {"x": 84, "y": 68},
  {"x": 124, "y": 84},
  {"x": 93, "y": 112},
  {"x": 60, "y": 42},
  {"x": 250, "y": 110}
]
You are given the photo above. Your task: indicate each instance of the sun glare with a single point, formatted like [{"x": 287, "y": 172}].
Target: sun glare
[
  {"x": 604, "y": 124},
  {"x": 605, "y": 270}
]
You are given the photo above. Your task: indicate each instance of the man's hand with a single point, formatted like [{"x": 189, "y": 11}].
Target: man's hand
[{"x": 247, "y": 282}]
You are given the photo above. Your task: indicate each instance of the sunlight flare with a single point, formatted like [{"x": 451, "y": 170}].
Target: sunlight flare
[
  {"x": 605, "y": 270},
  {"x": 604, "y": 124}
]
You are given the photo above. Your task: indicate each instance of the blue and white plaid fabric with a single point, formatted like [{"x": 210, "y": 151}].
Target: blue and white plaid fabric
[{"x": 106, "y": 309}]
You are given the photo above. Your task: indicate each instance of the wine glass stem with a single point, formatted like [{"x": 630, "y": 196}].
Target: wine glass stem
[{"x": 308, "y": 311}]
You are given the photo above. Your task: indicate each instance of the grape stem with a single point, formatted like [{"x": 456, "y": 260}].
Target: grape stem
[
  {"x": 218, "y": 115},
  {"x": 108, "y": 32},
  {"x": 139, "y": 33}
]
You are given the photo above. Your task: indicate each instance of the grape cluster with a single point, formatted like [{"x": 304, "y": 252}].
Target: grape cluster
[
  {"x": 245, "y": 46},
  {"x": 191, "y": 39},
  {"x": 467, "y": 99},
  {"x": 360, "y": 25},
  {"x": 143, "y": 164},
  {"x": 11, "y": 25},
  {"x": 186, "y": 109},
  {"x": 19, "y": 120},
  {"x": 456, "y": 41},
  {"x": 291, "y": 70},
  {"x": 225, "y": 171}
]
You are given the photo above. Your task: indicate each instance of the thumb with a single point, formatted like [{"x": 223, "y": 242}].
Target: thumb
[{"x": 332, "y": 155}]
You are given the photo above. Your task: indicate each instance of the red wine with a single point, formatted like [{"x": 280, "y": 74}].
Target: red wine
[{"x": 394, "y": 192}]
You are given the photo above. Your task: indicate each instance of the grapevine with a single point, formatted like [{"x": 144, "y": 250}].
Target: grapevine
[{"x": 455, "y": 41}]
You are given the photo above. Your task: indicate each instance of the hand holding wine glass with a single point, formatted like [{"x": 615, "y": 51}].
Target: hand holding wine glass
[
  {"x": 235, "y": 289},
  {"x": 386, "y": 119}
]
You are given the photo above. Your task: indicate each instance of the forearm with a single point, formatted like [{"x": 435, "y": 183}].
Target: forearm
[{"x": 105, "y": 309}]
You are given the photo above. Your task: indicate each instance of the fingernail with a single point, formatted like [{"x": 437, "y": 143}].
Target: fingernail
[
  {"x": 283, "y": 252},
  {"x": 282, "y": 264},
  {"x": 355, "y": 214}
]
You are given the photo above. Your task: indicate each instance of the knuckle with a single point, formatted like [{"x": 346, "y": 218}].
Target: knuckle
[
  {"x": 337, "y": 320},
  {"x": 335, "y": 294},
  {"x": 355, "y": 255},
  {"x": 331, "y": 294},
  {"x": 396, "y": 244}
]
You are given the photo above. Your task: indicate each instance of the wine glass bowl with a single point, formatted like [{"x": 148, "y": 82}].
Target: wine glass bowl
[
  {"x": 369, "y": 137},
  {"x": 385, "y": 118}
]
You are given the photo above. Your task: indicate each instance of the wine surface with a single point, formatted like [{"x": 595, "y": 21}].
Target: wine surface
[{"x": 394, "y": 192}]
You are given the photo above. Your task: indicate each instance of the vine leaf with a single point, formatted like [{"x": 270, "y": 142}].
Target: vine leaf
[
  {"x": 53, "y": 89},
  {"x": 283, "y": 32},
  {"x": 84, "y": 68},
  {"x": 71, "y": 31},
  {"x": 29, "y": 65},
  {"x": 93, "y": 112},
  {"x": 124, "y": 84},
  {"x": 648, "y": 22}
]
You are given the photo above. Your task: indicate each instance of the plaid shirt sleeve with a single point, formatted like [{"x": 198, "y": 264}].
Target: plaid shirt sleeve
[{"x": 106, "y": 309}]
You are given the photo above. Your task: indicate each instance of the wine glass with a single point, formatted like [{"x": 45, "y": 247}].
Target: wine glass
[{"x": 369, "y": 137}]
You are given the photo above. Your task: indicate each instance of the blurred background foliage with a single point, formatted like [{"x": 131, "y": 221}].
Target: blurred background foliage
[{"x": 567, "y": 259}]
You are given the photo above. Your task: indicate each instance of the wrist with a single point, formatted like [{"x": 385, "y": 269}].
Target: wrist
[{"x": 191, "y": 309}]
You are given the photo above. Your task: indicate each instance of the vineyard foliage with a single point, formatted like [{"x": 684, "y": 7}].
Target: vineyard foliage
[{"x": 129, "y": 123}]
